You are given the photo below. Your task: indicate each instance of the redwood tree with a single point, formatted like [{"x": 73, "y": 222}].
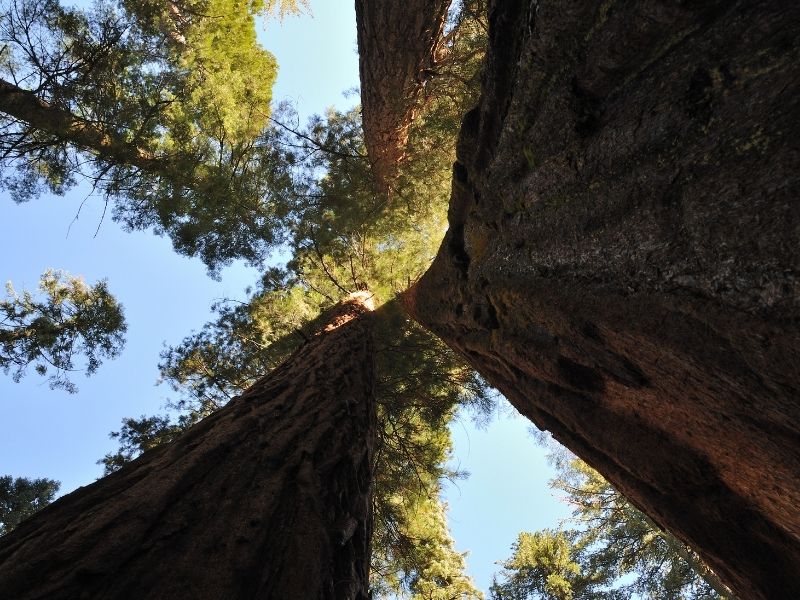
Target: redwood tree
[
  {"x": 397, "y": 49},
  {"x": 269, "y": 497},
  {"x": 622, "y": 260}
]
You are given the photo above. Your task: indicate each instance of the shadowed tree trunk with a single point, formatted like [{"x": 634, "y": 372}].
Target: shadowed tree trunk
[
  {"x": 267, "y": 498},
  {"x": 397, "y": 46},
  {"x": 622, "y": 259}
]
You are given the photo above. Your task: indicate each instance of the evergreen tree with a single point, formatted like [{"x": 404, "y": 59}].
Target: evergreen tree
[
  {"x": 546, "y": 565},
  {"x": 618, "y": 262},
  {"x": 271, "y": 493},
  {"x": 615, "y": 553},
  {"x": 21, "y": 497},
  {"x": 419, "y": 385},
  {"x": 164, "y": 106},
  {"x": 69, "y": 319}
]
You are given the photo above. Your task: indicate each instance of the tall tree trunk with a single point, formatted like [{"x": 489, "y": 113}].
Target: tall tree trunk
[
  {"x": 267, "y": 498},
  {"x": 397, "y": 45},
  {"x": 623, "y": 258}
]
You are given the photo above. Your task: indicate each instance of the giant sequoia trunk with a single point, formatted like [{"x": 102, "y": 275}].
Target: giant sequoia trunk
[
  {"x": 267, "y": 498},
  {"x": 397, "y": 46},
  {"x": 622, "y": 258}
]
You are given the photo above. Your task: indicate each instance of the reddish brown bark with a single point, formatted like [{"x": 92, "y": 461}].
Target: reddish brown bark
[
  {"x": 622, "y": 260},
  {"x": 267, "y": 498},
  {"x": 397, "y": 45}
]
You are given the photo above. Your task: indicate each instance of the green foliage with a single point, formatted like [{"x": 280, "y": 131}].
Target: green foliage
[
  {"x": 164, "y": 106},
  {"x": 283, "y": 8},
  {"x": 543, "y": 565},
  {"x": 142, "y": 434},
  {"x": 616, "y": 553},
  {"x": 247, "y": 340},
  {"x": 69, "y": 319},
  {"x": 427, "y": 566},
  {"x": 21, "y": 497},
  {"x": 420, "y": 385},
  {"x": 344, "y": 236}
]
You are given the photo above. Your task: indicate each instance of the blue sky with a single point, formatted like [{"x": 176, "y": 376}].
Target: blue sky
[{"x": 45, "y": 433}]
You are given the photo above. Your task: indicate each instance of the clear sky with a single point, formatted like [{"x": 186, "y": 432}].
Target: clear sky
[{"x": 45, "y": 433}]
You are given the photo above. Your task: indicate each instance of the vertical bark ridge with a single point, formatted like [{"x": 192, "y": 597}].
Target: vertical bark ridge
[{"x": 270, "y": 497}]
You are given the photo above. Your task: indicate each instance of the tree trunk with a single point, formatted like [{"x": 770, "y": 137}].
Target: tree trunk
[
  {"x": 622, "y": 259},
  {"x": 267, "y": 498},
  {"x": 397, "y": 45}
]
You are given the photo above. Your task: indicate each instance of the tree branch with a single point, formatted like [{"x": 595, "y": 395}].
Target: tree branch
[{"x": 27, "y": 107}]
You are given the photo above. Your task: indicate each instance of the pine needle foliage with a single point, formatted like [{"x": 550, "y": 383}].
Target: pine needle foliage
[
  {"x": 21, "y": 497},
  {"x": 614, "y": 553},
  {"x": 163, "y": 106},
  {"x": 66, "y": 320}
]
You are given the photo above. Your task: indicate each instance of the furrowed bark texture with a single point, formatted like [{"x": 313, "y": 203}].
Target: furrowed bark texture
[
  {"x": 622, "y": 258},
  {"x": 397, "y": 47},
  {"x": 267, "y": 498}
]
